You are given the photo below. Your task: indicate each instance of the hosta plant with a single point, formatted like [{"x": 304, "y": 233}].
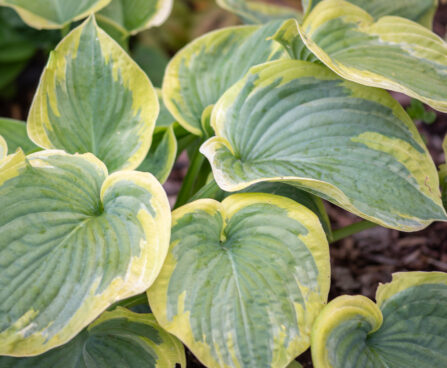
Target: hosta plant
[{"x": 276, "y": 116}]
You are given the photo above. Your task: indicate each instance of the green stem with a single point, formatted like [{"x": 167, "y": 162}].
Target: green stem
[
  {"x": 346, "y": 231},
  {"x": 187, "y": 188},
  {"x": 65, "y": 30}
]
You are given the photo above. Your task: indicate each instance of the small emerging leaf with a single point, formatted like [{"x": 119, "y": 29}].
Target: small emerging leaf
[
  {"x": 299, "y": 123},
  {"x": 203, "y": 70},
  {"x": 243, "y": 280},
  {"x": 161, "y": 157},
  {"x": 92, "y": 97},
  {"x": 73, "y": 241},
  {"x": 136, "y": 15},
  {"x": 117, "y": 339},
  {"x": 53, "y": 13},
  {"x": 407, "y": 327},
  {"x": 391, "y": 53}
]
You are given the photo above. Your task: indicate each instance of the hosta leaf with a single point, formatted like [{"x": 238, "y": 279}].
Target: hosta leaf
[
  {"x": 117, "y": 339},
  {"x": 299, "y": 123},
  {"x": 243, "y": 280},
  {"x": 203, "y": 70},
  {"x": 161, "y": 157},
  {"x": 165, "y": 119},
  {"x": 314, "y": 203},
  {"x": 254, "y": 11},
  {"x": 93, "y": 98},
  {"x": 407, "y": 327},
  {"x": 136, "y": 15},
  {"x": 3, "y": 148},
  {"x": 53, "y": 13},
  {"x": 14, "y": 132},
  {"x": 421, "y": 11},
  {"x": 392, "y": 53},
  {"x": 73, "y": 240},
  {"x": 289, "y": 37},
  {"x": 10, "y": 71}
]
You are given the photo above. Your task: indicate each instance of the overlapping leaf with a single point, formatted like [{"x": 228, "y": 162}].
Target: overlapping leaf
[
  {"x": 93, "y": 98},
  {"x": 421, "y": 11},
  {"x": 136, "y": 15},
  {"x": 289, "y": 37},
  {"x": 73, "y": 240},
  {"x": 202, "y": 71},
  {"x": 14, "y": 132},
  {"x": 3, "y": 148},
  {"x": 254, "y": 11},
  {"x": 407, "y": 327},
  {"x": 299, "y": 123},
  {"x": 53, "y": 13},
  {"x": 243, "y": 280},
  {"x": 315, "y": 204},
  {"x": 161, "y": 156},
  {"x": 392, "y": 53},
  {"x": 117, "y": 339}
]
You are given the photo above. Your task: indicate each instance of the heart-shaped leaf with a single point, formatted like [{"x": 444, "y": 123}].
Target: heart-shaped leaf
[
  {"x": 73, "y": 240},
  {"x": 297, "y": 122},
  {"x": 136, "y": 15},
  {"x": 117, "y": 339},
  {"x": 14, "y": 132},
  {"x": 407, "y": 327},
  {"x": 53, "y": 13},
  {"x": 421, "y": 11},
  {"x": 255, "y": 11},
  {"x": 243, "y": 280},
  {"x": 94, "y": 98},
  {"x": 203, "y": 70},
  {"x": 392, "y": 53}
]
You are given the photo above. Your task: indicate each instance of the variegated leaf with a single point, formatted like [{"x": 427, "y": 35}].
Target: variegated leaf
[
  {"x": 73, "y": 241},
  {"x": 14, "y": 132},
  {"x": 315, "y": 204},
  {"x": 392, "y": 53},
  {"x": 243, "y": 280},
  {"x": 136, "y": 15},
  {"x": 117, "y": 339},
  {"x": 299, "y": 123},
  {"x": 203, "y": 70},
  {"x": 93, "y": 97},
  {"x": 407, "y": 327},
  {"x": 53, "y": 13},
  {"x": 289, "y": 37},
  {"x": 255, "y": 11},
  {"x": 3, "y": 149},
  {"x": 421, "y": 11},
  {"x": 161, "y": 157}
]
